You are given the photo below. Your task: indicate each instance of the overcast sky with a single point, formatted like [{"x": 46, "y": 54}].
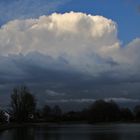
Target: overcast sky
[{"x": 69, "y": 51}]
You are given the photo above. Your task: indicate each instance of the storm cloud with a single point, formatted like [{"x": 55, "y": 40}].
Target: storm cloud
[{"x": 71, "y": 53}]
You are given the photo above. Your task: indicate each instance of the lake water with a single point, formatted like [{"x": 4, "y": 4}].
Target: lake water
[{"x": 74, "y": 132}]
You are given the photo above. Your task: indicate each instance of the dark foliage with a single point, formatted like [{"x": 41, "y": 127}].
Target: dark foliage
[
  {"x": 2, "y": 117},
  {"x": 127, "y": 115},
  {"x": 137, "y": 112},
  {"x": 52, "y": 114},
  {"x": 102, "y": 111},
  {"x": 23, "y": 109},
  {"x": 23, "y": 104}
]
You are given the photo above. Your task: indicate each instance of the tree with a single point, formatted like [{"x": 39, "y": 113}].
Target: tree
[
  {"x": 137, "y": 112},
  {"x": 57, "y": 110},
  {"x": 56, "y": 113},
  {"x": 126, "y": 114},
  {"x": 23, "y": 104},
  {"x": 46, "y": 112},
  {"x": 102, "y": 111},
  {"x": 2, "y": 117}
]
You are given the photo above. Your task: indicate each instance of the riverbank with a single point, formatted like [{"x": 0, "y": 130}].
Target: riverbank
[
  {"x": 17, "y": 125},
  {"x": 74, "y": 131},
  {"x": 10, "y": 126}
]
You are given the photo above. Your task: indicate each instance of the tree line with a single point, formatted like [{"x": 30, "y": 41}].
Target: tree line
[{"x": 23, "y": 108}]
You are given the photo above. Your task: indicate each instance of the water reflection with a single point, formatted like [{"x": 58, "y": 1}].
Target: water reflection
[
  {"x": 74, "y": 132},
  {"x": 23, "y": 133}
]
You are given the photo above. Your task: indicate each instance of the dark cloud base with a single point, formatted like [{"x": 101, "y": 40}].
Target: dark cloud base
[{"x": 68, "y": 87}]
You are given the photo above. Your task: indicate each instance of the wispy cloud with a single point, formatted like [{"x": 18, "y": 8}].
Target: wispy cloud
[
  {"x": 54, "y": 93},
  {"x": 123, "y": 100},
  {"x": 135, "y": 4},
  {"x": 138, "y": 8},
  {"x": 19, "y": 9},
  {"x": 71, "y": 101},
  {"x": 85, "y": 100}
]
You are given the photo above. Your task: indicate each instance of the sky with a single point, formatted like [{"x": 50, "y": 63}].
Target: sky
[{"x": 71, "y": 52}]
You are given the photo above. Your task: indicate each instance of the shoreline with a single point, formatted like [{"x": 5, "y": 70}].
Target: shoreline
[{"x": 4, "y": 127}]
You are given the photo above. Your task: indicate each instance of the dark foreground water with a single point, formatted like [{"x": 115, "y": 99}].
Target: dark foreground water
[{"x": 74, "y": 132}]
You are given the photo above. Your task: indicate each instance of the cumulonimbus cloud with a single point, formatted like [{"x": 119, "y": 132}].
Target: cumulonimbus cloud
[{"x": 86, "y": 43}]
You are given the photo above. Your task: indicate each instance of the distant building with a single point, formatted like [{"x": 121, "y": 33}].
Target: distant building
[{"x": 5, "y": 115}]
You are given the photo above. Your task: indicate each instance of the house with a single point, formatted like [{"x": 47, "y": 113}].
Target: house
[{"x": 5, "y": 116}]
